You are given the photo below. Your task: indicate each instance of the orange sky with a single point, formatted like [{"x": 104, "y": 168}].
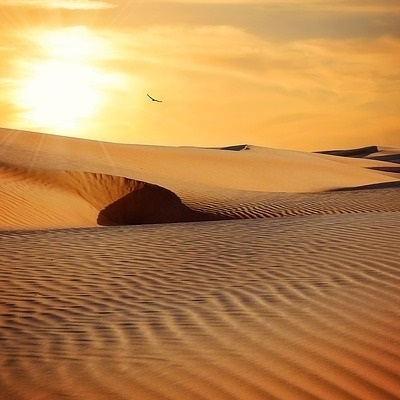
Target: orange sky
[{"x": 293, "y": 74}]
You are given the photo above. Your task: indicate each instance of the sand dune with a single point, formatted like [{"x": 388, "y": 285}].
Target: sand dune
[
  {"x": 360, "y": 152},
  {"x": 279, "y": 278},
  {"x": 41, "y": 176}
]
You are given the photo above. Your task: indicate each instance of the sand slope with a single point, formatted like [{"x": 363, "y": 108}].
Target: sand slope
[{"x": 50, "y": 181}]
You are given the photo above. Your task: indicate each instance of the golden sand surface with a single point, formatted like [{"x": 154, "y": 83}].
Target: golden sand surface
[
  {"x": 138, "y": 272},
  {"x": 49, "y": 181},
  {"x": 284, "y": 308}
]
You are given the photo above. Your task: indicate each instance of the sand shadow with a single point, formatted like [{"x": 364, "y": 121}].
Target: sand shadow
[
  {"x": 384, "y": 185},
  {"x": 239, "y": 147},
  {"x": 150, "y": 204},
  {"x": 392, "y": 158},
  {"x": 364, "y": 152},
  {"x": 393, "y": 170},
  {"x": 353, "y": 153}
]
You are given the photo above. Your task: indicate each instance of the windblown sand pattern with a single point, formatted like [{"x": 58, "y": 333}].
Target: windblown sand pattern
[
  {"x": 279, "y": 277},
  {"x": 286, "y": 308},
  {"x": 244, "y": 204}
]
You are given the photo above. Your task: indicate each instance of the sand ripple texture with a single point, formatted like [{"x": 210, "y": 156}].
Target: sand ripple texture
[{"x": 287, "y": 308}]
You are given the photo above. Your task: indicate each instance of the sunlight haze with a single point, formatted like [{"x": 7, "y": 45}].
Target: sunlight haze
[{"x": 306, "y": 75}]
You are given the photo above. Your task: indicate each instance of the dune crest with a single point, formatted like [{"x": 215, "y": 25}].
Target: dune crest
[
  {"x": 359, "y": 152},
  {"x": 112, "y": 200},
  {"x": 42, "y": 176},
  {"x": 123, "y": 201}
]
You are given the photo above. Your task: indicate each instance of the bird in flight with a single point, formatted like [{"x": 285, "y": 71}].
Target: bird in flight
[{"x": 153, "y": 99}]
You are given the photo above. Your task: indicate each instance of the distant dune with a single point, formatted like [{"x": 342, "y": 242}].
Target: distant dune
[
  {"x": 360, "y": 152},
  {"x": 170, "y": 273}
]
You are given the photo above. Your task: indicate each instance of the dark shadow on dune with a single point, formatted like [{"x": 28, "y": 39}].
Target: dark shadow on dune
[
  {"x": 394, "y": 170},
  {"x": 364, "y": 152},
  {"x": 384, "y": 185},
  {"x": 359, "y": 152},
  {"x": 393, "y": 158},
  {"x": 238, "y": 147},
  {"x": 151, "y": 204}
]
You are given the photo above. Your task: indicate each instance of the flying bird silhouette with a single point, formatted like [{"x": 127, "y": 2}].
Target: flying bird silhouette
[{"x": 153, "y": 99}]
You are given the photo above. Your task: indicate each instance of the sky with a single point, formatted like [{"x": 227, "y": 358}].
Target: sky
[{"x": 295, "y": 74}]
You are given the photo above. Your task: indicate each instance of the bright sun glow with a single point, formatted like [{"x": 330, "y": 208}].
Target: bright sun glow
[
  {"x": 65, "y": 87},
  {"x": 60, "y": 94}
]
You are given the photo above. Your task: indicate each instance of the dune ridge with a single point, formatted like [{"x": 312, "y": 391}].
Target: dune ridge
[
  {"x": 112, "y": 200},
  {"x": 107, "y": 183},
  {"x": 359, "y": 152},
  {"x": 123, "y": 201},
  {"x": 115, "y": 200}
]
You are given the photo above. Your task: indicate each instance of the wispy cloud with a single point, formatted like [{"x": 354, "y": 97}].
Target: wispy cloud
[
  {"x": 355, "y": 6},
  {"x": 65, "y": 4},
  {"x": 314, "y": 93},
  {"x": 275, "y": 20},
  {"x": 296, "y": 74},
  {"x": 337, "y": 5}
]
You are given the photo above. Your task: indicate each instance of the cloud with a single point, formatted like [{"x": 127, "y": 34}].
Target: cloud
[
  {"x": 63, "y": 4},
  {"x": 331, "y": 89},
  {"x": 275, "y": 20},
  {"x": 224, "y": 84},
  {"x": 313, "y": 93},
  {"x": 342, "y": 5},
  {"x": 229, "y": 50},
  {"x": 327, "y": 5}
]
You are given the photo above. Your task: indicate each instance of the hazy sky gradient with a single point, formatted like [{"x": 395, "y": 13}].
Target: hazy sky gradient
[{"x": 293, "y": 74}]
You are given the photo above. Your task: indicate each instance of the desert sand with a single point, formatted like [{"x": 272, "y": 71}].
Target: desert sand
[{"x": 145, "y": 272}]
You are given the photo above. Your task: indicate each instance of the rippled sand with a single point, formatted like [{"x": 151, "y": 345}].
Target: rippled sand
[
  {"x": 260, "y": 294},
  {"x": 288, "y": 308}
]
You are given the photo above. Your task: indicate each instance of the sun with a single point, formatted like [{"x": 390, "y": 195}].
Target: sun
[
  {"x": 64, "y": 87},
  {"x": 60, "y": 94}
]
